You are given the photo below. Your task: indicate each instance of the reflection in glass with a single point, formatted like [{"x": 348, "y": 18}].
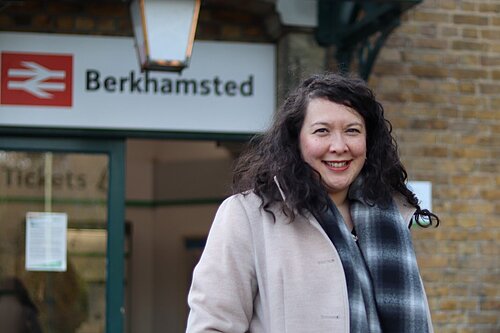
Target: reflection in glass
[{"x": 76, "y": 184}]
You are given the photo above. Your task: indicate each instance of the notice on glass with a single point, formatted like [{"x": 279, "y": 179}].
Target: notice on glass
[{"x": 46, "y": 241}]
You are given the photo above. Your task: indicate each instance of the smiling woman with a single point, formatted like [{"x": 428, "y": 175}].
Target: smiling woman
[
  {"x": 333, "y": 142},
  {"x": 281, "y": 256}
]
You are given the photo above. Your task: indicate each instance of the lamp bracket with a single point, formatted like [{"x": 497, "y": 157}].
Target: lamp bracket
[{"x": 358, "y": 28}]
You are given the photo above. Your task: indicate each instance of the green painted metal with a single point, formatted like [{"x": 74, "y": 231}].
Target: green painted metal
[
  {"x": 173, "y": 202},
  {"x": 128, "y": 203},
  {"x": 59, "y": 132},
  {"x": 358, "y": 28},
  {"x": 115, "y": 311},
  {"x": 115, "y": 149},
  {"x": 62, "y": 201}
]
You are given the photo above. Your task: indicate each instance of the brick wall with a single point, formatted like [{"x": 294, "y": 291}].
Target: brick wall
[
  {"x": 439, "y": 79},
  {"x": 253, "y": 22},
  {"x": 72, "y": 17}
]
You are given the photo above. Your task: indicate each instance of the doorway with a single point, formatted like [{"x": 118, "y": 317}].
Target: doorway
[{"x": 62, "y": 233}]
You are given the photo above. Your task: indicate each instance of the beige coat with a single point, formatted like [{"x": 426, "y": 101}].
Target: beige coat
[{"x": 261, "y": 276}]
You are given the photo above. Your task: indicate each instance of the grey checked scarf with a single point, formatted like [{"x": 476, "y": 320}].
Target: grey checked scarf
[{"x": 383, "y": 281}]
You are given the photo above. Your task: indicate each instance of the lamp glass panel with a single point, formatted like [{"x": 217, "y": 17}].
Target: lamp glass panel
[
  {"x": 136, "y": 15},
  {"x": 168, "y": 27}
]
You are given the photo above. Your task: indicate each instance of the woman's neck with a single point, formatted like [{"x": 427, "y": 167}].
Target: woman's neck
[
  {"x": 339, "y": 198},
  {"x": 343, "y": 205}
]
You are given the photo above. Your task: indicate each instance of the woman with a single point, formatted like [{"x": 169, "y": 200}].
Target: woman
[{"x": 317, "y": 237}]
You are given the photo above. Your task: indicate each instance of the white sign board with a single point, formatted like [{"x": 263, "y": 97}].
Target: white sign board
[
  {"x": 423, "y": 191},
  {"x": 46, "y": 241},
  {"x": 62, "y": 81}
]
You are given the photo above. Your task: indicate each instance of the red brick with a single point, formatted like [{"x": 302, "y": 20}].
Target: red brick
[
  {"x": 428, "y": 98},
  {"x": 84, "y": 24},
  {"x": 490, "y": 248},
  {"x": 43, "y": 21},
  {"x": 106, "y": 25},
  {"x": 449, "y": 31},
  {"x": 490, "y": 34},
  {"x": 470, "y": 33},
  {"x": 467, "y": 87},
  {"x": 446, "y": 4},
  {"x": 6, "y": 20},
  {"x": 466, "y": 222},
  {"x": 64, "y": 7},
  {"x": 489, "y": 8},
  {"x": 495, "y": 75},
  {"x": 490, "y": 305},
  {"x": 428, "y": 124},
  {"x": 470, "y": 19},
  {"x": 65, "y": 23},
  {"x": 429, "y": 71},
  {"x": 483, "y": 318},
  {"x": 470, "y": 74},
  {"x": 491, "y": 194},
  {"x": 431, "y": 43},
  {"x": 231, "y": 32},
  {"x": 434, "y": 261},
  {"x": 490, "y": 60},
  {"x": 430, "y": 16},
  {"x": 389, "y": 68},
  {"x": 428, "y": 30},
  {"x": 469, "y": 46},
  {"x": 110, "y": 10},
  {"x": 470, "y": 100},
  {"x": 493, "y": 89},
  {"x": 490, "y": 166}
]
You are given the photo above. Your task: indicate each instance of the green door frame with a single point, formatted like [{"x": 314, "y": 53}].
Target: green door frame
[{"x": 115, "y": 149}]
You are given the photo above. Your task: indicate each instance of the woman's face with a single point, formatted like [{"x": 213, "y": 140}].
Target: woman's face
[{"x": 333, "y": 142}]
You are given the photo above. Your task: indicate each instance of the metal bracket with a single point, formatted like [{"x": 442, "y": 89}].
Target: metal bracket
[{"x": 358, "y": 28}]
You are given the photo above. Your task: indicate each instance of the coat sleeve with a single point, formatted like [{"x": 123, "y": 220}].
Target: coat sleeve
[
  {"x": 405, "y": 209},
  {"x": 224, "y": 283}
]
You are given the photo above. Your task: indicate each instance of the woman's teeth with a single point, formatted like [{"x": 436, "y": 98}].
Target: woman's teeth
[{"x": 337, "y": 164}]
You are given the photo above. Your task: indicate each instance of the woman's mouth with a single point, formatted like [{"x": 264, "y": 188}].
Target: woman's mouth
[{"x": 337, "y": 165}]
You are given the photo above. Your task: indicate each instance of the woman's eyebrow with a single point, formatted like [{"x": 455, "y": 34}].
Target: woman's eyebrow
[
  {"x": 356, "y": 123},
  {"x": 323, "y": 123}
]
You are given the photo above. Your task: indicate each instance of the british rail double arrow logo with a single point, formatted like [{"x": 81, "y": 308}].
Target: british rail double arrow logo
[{"x": 36, "y": 79}]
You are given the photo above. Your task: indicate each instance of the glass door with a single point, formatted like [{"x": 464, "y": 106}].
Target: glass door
[{"x": 61, "y": 235}]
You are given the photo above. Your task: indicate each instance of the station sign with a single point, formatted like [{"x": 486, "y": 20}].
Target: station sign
[{"x": 93, "y": 82}]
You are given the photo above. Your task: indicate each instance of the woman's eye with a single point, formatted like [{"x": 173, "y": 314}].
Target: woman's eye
[
  {"x": 353, "y": 130},
  {"x": 320, "y": 130}
]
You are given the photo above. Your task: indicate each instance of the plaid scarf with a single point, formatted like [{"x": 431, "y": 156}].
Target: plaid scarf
[{"x": 383, "y": 282}]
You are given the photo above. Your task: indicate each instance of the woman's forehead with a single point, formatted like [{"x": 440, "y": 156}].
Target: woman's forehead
[{"x": 324, "y": 108}]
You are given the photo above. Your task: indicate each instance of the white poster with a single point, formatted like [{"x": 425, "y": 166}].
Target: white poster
[
  {"x": 46, "y": 241},
  {"x": 92, "y": 82},
  {"x": 423, "y": 191}
]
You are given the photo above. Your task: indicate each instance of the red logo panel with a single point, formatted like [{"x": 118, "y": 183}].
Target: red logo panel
[{"x": 36, "y": 79}]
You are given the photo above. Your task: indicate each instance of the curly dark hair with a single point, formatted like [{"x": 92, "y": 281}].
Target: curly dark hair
[{"x": 276, "y": 153}]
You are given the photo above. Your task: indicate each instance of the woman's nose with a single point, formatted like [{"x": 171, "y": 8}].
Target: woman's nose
[{"x": 338, "y": 144}]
